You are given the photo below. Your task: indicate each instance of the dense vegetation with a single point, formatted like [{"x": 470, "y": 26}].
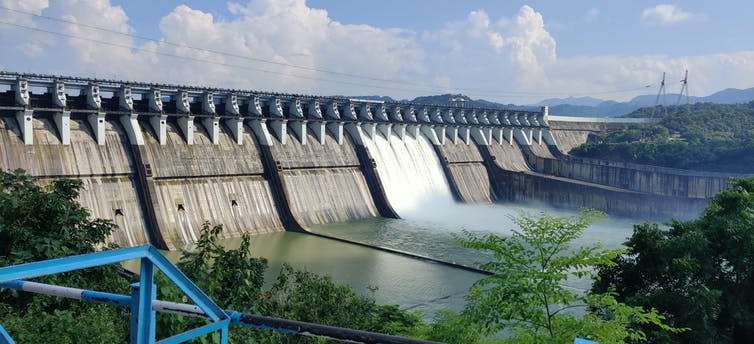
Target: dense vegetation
[
  {"x": 695, "y": 276},
  {"x": 711, "y": 137},
  {"x": 526, "y": 295},
  {"x": 699, "y": 273},
  {"x": 38, "y": 223}
]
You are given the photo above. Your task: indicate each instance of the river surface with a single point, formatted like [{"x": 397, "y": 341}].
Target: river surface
[{"x": 410, "y": 283}]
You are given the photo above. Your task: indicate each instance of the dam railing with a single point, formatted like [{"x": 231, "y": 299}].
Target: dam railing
[{"x": 144, "y": 305}]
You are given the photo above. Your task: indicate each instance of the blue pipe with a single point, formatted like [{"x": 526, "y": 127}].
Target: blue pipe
[{"x": 251, "y": 320}]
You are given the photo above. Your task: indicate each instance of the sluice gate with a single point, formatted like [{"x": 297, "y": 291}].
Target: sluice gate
[{"x": 159, "y": 160}]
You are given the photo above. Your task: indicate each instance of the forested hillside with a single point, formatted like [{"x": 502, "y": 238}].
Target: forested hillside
[{"x": 710, "y": 137}]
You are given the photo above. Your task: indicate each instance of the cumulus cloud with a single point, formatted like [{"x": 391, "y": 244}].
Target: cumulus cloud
[
  {"x": 664, "y": 14},
  {"x": 510, "y": 58}
]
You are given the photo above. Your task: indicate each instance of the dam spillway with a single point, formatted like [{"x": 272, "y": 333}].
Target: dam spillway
[
  {"x": 410, "y": 172},
  {"x": 221, "y": 183},
  {"x": 107, "y": 172},
  {"x": 159, "y": 160},
  {"x": 324, "y": 182}
]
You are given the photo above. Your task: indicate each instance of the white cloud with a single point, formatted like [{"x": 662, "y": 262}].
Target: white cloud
[
  {"x": 665, "y": 14},
  {"x": 497, "y": 58},
  {"x": 30, "y": 6}
]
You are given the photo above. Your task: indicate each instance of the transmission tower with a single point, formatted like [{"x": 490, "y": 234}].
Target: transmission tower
[
  {"x": 664, "y": 95},
  {"x": 684, "y": 88}
]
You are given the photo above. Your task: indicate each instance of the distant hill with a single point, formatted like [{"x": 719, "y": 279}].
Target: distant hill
[{"x": 582, "y": 106}]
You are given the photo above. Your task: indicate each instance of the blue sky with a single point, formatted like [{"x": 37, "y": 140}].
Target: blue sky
[{"x": 505, "y": 51}]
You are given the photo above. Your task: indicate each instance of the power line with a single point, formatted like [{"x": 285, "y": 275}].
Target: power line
[
  {"x": 179, "y": 45},
  {"x": 209, "y": 61},
  {"x": 421, "y": 87}
]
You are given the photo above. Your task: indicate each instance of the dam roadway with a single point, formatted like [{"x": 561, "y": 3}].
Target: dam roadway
[{"x": 159, "y": 160}]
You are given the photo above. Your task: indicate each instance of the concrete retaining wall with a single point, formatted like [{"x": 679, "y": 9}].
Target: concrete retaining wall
[
  {"x": 466, "y": 172},
  {"x": 107, "y": 171},
  {"x": 323, "y": 182}
]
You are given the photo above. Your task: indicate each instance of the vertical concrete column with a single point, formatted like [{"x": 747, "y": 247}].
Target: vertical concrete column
[
  {"x": 279, "y": 124},
  {"x": 440, "y": 133},
  {"x": 299, "y": 130},
  {"x": 548, "y": 137},
  {"x": 497, "y": 134},
  {"x": 398, "y": 127},
  {"x": 355, "y": 132},
  {"x": 430, "y": 134},
  {"x": 235, "y": 125},
  {"x": 369, "y": 127},
  {"x": 97, "y": 122},
  {"x": 259, "y": 128},
  {"x": 413, "y": 130},
  {"x": 26, "y": 125},
  {"x": 479, "y": 136},
  {"x": 318, "y": 130},
  {"x": 279, "y": 129},
  {"x": 385, "y": 129},
  {"x": 452, "y": 133},
  {"x": 400, "y": 130},
  {"x": 334, "y": 124},
  {"x": 212, "y": 124},
  {"x": 24, "y": 117},
  {"x": 298, "y": 122},
  {"x": 63, "y": 123},
  {"x": 133, "y": 129},
  {"x": 63, "y": 118},
  {"x": 186, "y": 123},
  {"x": 463, "y": 134},
  {"x": 488, "y": 134},
  {"x": 159, "y": 124},
  {"x": 316, "y": 124},
  {"x": 182, "y": 102},
  {"x": 521, "y": 137},
  {"x": 336, "y": 131}
]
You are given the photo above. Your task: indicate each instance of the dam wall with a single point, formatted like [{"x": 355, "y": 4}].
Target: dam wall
[
  {"x": 323, "y": 182},
  {"x": 466, "y": 171},
  {"x": 635, "y": 177},
  {"x": 106, "y": 171},
  {"x": 526, "y": 186},
  {"x": 571, "y": 134},
  {"x": 160, "y": 160},
  {"x": 223, "y": 183}
]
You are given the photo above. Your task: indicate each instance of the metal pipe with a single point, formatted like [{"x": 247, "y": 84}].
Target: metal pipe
[{"x": 243, "y": 319}]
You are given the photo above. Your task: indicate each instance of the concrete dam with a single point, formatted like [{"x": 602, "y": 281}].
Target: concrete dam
[{"x": 159, "y": 160}]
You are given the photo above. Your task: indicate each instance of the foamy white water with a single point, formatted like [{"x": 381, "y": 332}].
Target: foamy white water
[{"x": 410, "y": 172}]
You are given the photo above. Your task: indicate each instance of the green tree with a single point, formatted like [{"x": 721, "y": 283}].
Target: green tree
[
  {"x": 526, "y": 298},
  {"x": 713, "y": 137},
  {"x": 43, "y": 222},
  {"x": 698, "y": 273}
]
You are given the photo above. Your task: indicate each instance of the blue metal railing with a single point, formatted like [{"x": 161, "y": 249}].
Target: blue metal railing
[{"x": 143, "y": 303}]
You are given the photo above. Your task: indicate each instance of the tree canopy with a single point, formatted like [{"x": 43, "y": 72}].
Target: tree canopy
[
  {"x": 526, "y": 296},
  {"x": 698, "y": 273},
  {"x": 710, "y": 137}
]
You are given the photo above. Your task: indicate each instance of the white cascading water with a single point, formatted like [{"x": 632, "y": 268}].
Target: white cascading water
[
  {"x": 417, "y": 189},
  {"x": 410, "y": 172}
]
